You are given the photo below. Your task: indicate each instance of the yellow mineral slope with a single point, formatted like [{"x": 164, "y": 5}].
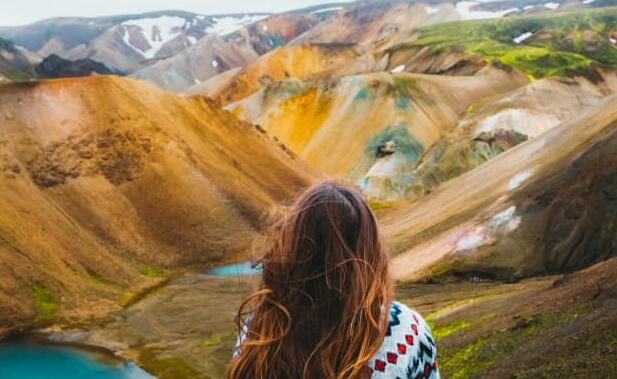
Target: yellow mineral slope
[
  {"x": 545, "y": 205},
  {"x": 105, "y": 181}
]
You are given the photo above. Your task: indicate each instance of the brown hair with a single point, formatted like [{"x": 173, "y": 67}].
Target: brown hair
[{"x": 321, "y": 310}]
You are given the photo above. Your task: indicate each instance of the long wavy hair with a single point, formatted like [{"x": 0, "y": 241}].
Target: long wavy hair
[{"x": 321, "y": 311}]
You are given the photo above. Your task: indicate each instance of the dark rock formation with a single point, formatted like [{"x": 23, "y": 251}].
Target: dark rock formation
[{"x": 56, "y": 67}]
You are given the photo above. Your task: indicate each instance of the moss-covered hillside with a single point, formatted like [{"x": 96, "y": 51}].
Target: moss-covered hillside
[{"x": 557, "y": 43}]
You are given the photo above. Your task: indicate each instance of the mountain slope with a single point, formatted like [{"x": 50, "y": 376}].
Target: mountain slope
[
  {"x": 543, "y": 206},
  {"x": 105, "y": 180}
]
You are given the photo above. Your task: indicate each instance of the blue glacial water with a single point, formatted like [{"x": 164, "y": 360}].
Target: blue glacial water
[
  {"x": 237, "y": 269},
  {"x": 32, "y": 361}
]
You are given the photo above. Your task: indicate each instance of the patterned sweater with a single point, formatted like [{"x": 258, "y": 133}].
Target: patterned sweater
[{"x": 408, "y": 349}]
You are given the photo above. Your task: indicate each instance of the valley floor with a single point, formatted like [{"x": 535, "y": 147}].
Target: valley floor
[{"x": 542, "y": 327}]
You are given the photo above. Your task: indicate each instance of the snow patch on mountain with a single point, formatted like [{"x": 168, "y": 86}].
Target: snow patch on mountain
[
  {"x": 465, "y": 10},
  {"x": 324, "y": 10},
  {"x": 473, "y": 239},
  {"x": 127, "y": 42},
  {"x": 229, "y": 24},
  {"x": 431, "y": 10},
  {"x": 505, "y": 221},
  {"x": 519, "y": 179},
  {"x": 551, "y": 5},
  {"x": 522, "y": 37},
  {"x": 527, "y": 122},
  {"x": 157, "y": 32}
]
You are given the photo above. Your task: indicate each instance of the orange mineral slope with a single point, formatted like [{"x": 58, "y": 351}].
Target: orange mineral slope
[
  {"x": 282, "y": 63},
  {"x": 547, "y": 205},
  {"x": 105, "y": 180}
]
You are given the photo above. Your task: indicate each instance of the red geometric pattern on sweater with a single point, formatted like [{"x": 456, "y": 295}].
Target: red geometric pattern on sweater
[
  {"x": 409, "y": 339},
  {"x": 380, "y": 365}
]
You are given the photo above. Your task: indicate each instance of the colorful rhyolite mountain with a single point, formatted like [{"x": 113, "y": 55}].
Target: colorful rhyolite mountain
[
  {"x": 105, "y": 180},
  {"x": 371, "y": 117}
]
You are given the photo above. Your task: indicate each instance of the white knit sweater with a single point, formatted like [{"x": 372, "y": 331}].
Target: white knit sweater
[{"x": 408, "y": 349}]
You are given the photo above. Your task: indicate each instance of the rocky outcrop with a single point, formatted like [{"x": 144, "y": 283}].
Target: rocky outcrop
[{"x": 55, "y": 67}]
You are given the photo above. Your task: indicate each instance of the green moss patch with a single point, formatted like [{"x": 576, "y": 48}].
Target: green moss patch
[
  {"x": 155, "y": 272},
  {"x": 472, "y": 358},
  {"x": 443, "y": 331},
  {"x": 45, "y": 303},
  {"x": 168, "y": 368},
  {"x": 214, "y": 340},
  {"x": 377, "y": 205},
  {"x": 18, "y": 76},
  {"x": 457, "y": 304}
]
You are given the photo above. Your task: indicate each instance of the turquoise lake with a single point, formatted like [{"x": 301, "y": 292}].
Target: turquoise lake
[
  {"x": 31, "y": 361},
  {"x": 237, "y": 269}
]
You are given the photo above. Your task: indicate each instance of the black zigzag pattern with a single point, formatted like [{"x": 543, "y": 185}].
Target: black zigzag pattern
[
  {"x": 429, "y": 339},
  {"x": 394, "y": 320},
  {"x": 415, "y": 364},
  {"x": 426, "y": 350}
]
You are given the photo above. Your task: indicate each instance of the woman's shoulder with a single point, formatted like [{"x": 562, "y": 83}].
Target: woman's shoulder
[{"x": 408, "y": 349}]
